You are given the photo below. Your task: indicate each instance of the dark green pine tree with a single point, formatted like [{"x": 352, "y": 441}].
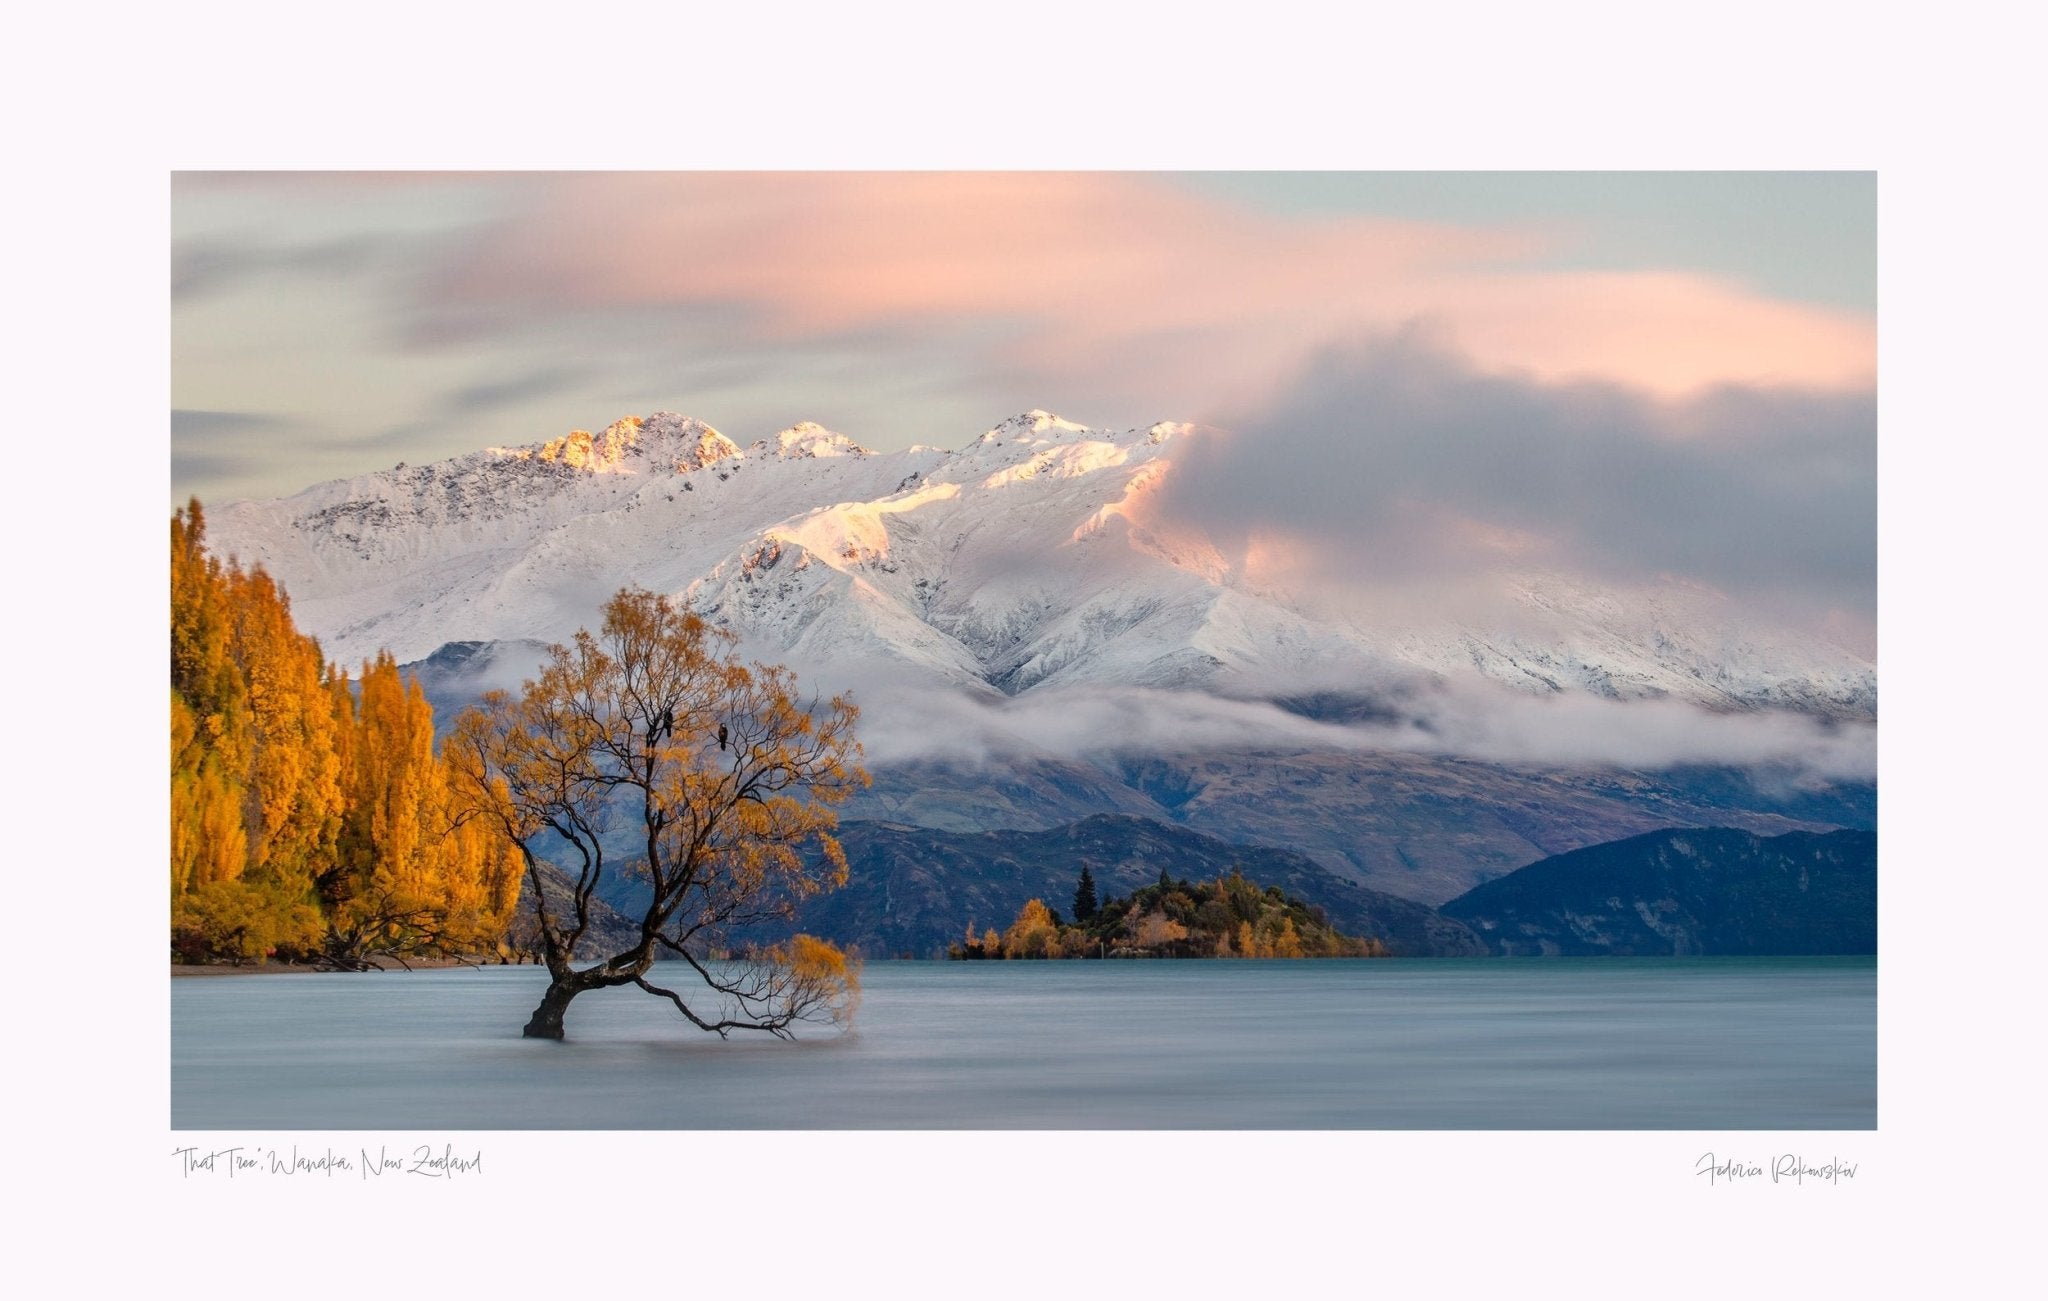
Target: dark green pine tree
[{"x": 1085, "y": 902}]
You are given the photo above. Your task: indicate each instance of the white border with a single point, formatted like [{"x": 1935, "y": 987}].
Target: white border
[{"x": 111, "y": 103}]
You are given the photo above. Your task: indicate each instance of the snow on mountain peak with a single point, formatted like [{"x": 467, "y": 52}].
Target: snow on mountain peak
[
  {"x": 1037, "y": 555},
  {"x": 663, "y": 441},
  {"x": 1035, "y": 422},
  {"x": 809, "y": 438}
]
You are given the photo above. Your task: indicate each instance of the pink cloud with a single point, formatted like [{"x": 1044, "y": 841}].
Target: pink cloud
[{"x": 1122, "y": 283}]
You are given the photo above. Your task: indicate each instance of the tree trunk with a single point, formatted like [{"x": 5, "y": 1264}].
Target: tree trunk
[{"x": 547, "y": 1018}]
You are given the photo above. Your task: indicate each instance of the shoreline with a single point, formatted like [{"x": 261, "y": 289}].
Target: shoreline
[
  {"x": 188, "y": 970},
  {"x": 182, "y": 971}
]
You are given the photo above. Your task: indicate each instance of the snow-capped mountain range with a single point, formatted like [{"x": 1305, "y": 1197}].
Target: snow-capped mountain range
[{"x": 1040, "y": 555}]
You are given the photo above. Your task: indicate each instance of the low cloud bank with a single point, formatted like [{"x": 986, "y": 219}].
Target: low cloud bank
[
  {"x": 1475, "y": 721},
  {"x": 1466, "y": 718}
]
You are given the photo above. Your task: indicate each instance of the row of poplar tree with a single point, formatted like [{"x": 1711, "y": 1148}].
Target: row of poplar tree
[{"x": 310, "y": 817}]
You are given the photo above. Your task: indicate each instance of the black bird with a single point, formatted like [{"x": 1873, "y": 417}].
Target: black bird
[{"x": 721, "y": 736}]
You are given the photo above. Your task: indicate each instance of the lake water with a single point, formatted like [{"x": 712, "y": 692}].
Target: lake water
[{"x": 1602, "y": 1043}]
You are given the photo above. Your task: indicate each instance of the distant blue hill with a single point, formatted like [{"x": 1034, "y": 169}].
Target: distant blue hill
[{"x": 1686, "y": 892}]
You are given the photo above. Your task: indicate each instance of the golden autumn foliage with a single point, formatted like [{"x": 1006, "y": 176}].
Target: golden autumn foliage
[
  {"x": 820, "y": 975},
  {"x": 1153, "y": 929},
  {"x": 253, "y": 794},
  {"x": 1286, "y": 942},
  {"x": 1033, "y": 934},
  {"x": 1247, "y": 942},
  {"x": 408, "y": 875},
  {"x": 310, "y": 818},
  {"x": 722, "y": 781}
]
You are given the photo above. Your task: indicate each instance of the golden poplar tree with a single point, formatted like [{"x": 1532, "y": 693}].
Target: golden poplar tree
[
  {"x": 408, "y": 876},
  {"x": 1287, "y": 940},
  {"x": 295, "y": 771},
  {"x": 1033, "y": 934}
]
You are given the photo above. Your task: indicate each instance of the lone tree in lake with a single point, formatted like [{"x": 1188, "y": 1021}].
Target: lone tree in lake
[{"x": 725, "y": 779}]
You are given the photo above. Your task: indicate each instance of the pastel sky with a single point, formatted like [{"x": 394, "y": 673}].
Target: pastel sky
[
  {"x": 329, "y": 324},
  {"x": 1658, "y": 346}
]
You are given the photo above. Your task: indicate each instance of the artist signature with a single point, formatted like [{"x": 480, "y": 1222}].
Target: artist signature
[{"x": 1789, "y": 1168}]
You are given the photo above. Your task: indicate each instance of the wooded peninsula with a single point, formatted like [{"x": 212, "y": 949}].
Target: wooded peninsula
[{"x": 1230, "y": 917}]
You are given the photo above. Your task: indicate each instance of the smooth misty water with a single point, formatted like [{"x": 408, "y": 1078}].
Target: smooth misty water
[{"x": 1605, "y": 1043}]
